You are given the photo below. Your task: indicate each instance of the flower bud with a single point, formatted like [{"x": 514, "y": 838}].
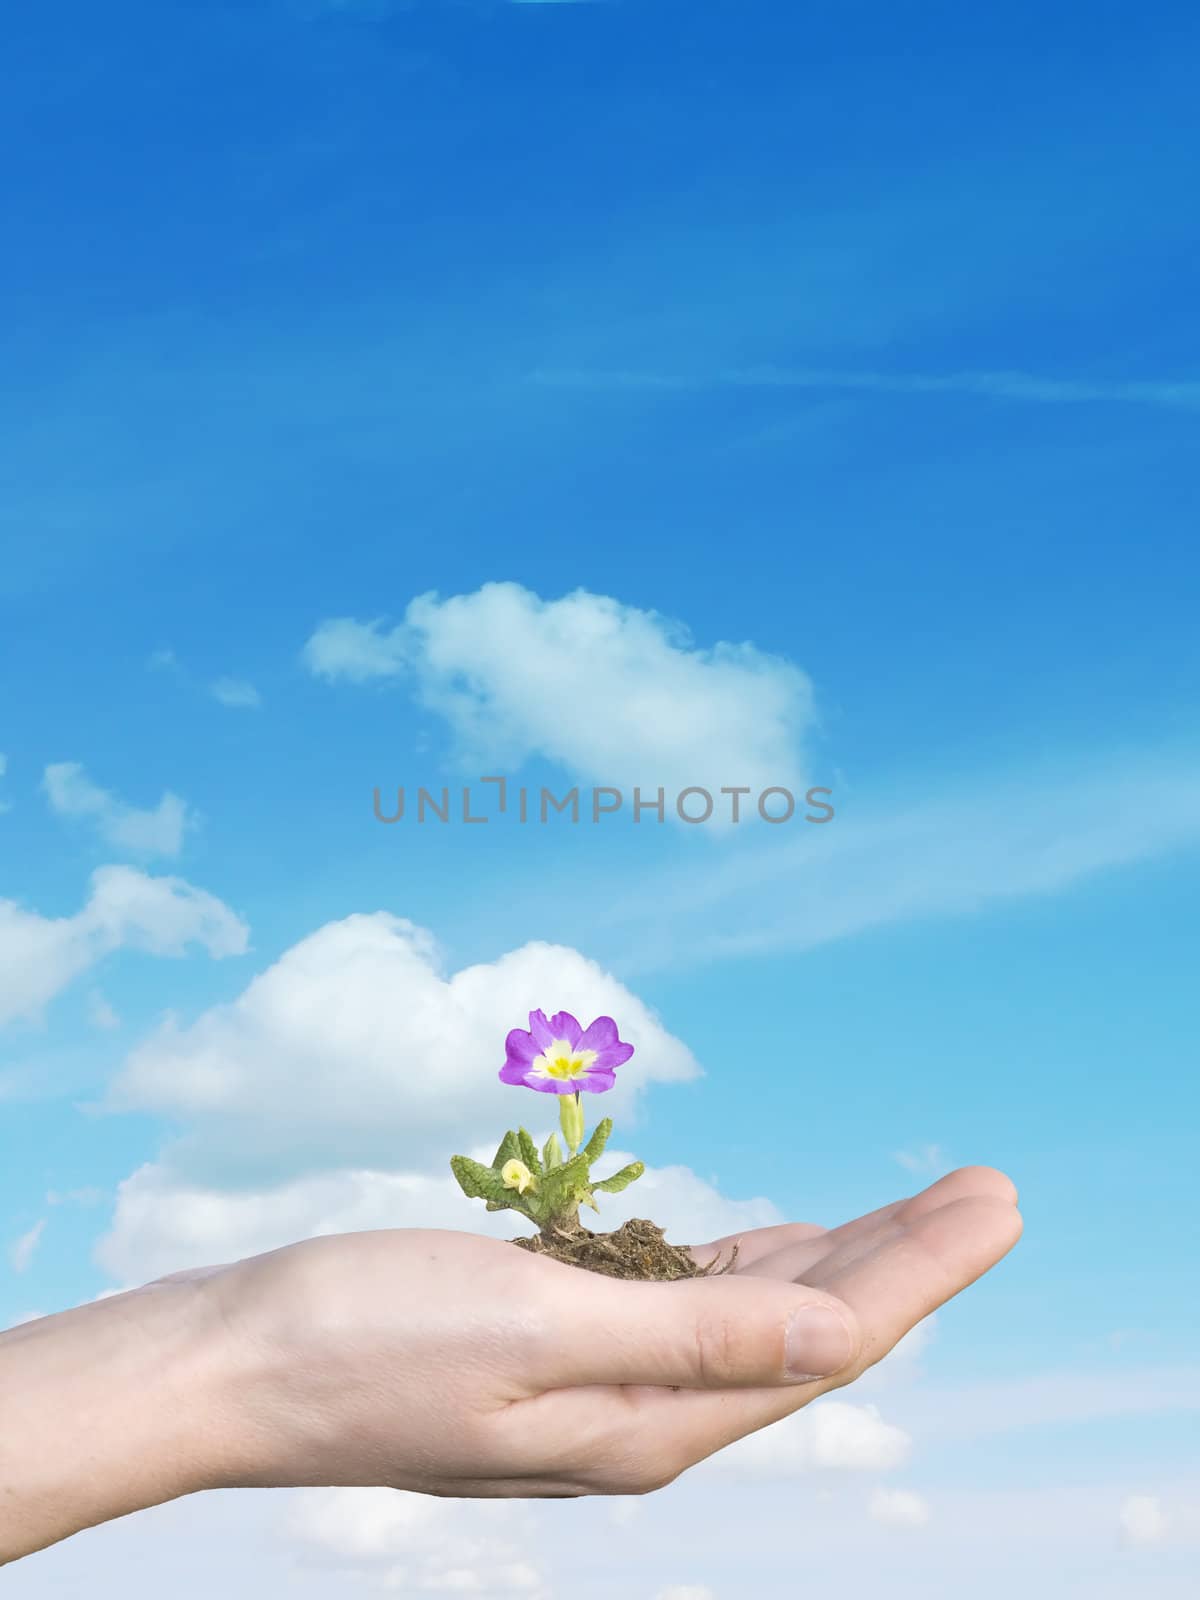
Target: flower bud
[
  {"x": 516, "y": 1175},
  {"x": 570, "y": 1114}
]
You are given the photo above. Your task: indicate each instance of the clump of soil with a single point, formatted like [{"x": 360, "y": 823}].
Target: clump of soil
[{"x": 636, "y": 1249}]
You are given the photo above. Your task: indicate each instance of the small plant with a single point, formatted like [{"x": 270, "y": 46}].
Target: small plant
[{"x": 554, "y": 1056}]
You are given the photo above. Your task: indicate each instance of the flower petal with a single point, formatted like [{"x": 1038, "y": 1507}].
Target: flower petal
[
  {"x": 540, "y": 1029},
  {"x": 602, "y": 1037},
  {"x": 564, "y": 1026},
  {"x": 606, "y": 1060},
  {"x": 521, "y": 1046},
  {"x": 599, "y": 1034},
  {"x": 596, "y": 1080},
  {"x": 516, "y": 1072}
]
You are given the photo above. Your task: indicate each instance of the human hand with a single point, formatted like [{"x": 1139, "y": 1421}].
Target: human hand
[
  {"x": 457, "y": 1365},
  {"x": 452, "y": 1364}
]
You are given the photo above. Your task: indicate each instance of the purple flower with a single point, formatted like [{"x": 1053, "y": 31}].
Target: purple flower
[{"x": 557, "y": 1056}]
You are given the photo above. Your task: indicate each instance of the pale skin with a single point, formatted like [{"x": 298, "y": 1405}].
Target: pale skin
[{"x": 453, "y": 1364}]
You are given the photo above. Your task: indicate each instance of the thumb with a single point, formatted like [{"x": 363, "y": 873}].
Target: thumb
[{"x": 718, "y": 1333}]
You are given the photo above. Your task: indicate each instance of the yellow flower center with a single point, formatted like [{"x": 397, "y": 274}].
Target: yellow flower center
[{"x": 560, "y": 1061}]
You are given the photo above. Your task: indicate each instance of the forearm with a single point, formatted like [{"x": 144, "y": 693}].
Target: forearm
[{"x": 109, "y": 1408}]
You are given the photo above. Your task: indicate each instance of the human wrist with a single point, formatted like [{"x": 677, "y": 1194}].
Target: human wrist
[{"x": 115, "y": 1406}]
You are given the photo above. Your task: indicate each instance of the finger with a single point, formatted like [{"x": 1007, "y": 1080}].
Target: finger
[
  {"x": 756, "y": 1243},
  {"x": 963, "y": 1183},
  {"x": 924, "y": 1261},
  {"x": 794, "y": 1260},
  {"x": 701, "y": 1333},
  {"x": 918, "y": 1268}
]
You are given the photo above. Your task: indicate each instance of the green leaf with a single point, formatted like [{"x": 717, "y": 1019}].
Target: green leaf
[
  {"x": 471, "y": 1176},
  {"x": 529, "y": 1152},
  {"x": 552, "y": 1155},
  {"x": 482, "y": 1183},
  {"x": 621, "y": 1180},
  {"x": 509, "y": 1150},
  {"x": 594, "y": 1148},
  {"x": 562, "y": 1186}
]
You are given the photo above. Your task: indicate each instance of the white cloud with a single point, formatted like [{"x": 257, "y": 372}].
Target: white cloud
[
  {"x": 157, "y": 832},
  {"x": 615, "y": 695},
  {"x": 356, "y": 652},
  {"x": 1143, "y": 1520},
  {"x": 367, "y": 1522},
  {"x": 40, "y": 956},
  {"x": 690, "y": 1209},
  {"x": 423, "y": 1544},
  {"x": 356, "y": 1047},
  {"x": 21, "y": 1254},
  {"x": 686, "y": 1591},
  {"x": 1045, "y": 1540},
  {"x": 164, "y": 1222},
  {"x": 236, "y": 693},
  {"x": 830, "y": 1434},
  {"x": 898, "y": 1508},
  {"x": 330, "y": 1095}
]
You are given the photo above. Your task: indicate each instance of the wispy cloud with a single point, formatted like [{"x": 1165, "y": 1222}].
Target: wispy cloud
[
  {"x": 1174, "y": 393},
  {"x": 100, "y": 1013},
  {"x": 980, "y": 847},
  {"x": 235, "y": 693},
  {"x": 21, "y": 1254},
  {"x": 40, "y": 956},
  {"x": 144, "y": 832},
  {"x": 898, "y": 1508},
  {"x": 1048, "y": 1399},
  {"x": 75, "y": 1197},
  {"x": 927, "y": 1158}
]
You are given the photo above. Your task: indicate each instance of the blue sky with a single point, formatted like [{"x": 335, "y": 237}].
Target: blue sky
[{"x": 859, "y": 338}]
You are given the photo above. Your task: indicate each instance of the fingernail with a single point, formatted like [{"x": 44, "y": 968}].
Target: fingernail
[{"x": 818, "y": 1343}]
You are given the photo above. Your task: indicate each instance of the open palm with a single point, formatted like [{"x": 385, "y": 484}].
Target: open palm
[{"x": 457, "y": 1365}]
